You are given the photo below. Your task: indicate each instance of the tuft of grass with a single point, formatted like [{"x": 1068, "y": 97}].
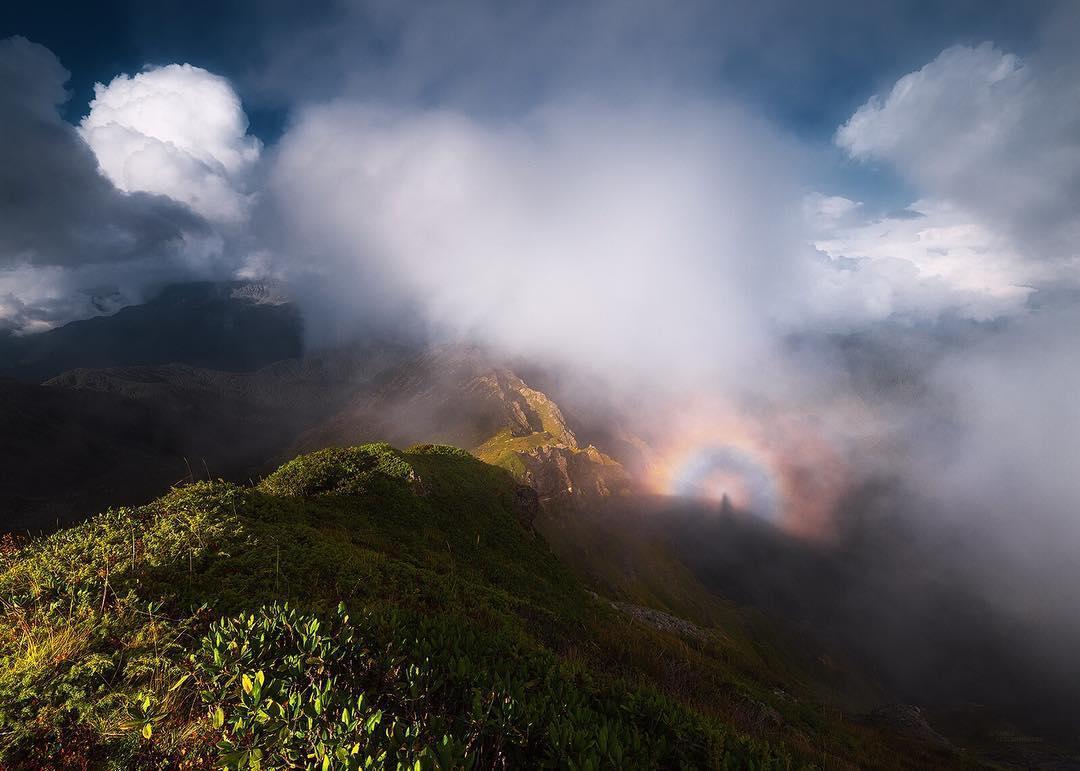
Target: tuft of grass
[{"x": 39, "y": 646}]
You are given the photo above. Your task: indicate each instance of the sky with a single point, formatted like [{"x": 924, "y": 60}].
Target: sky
[
  {"x": 848, "y": 224},
  {"x": 821, "y": 87}
]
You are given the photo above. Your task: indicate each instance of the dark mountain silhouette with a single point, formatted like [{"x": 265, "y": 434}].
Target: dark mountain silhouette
[{"x": 233, "y": 326}]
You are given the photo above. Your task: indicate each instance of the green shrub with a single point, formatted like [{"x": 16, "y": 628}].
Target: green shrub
[
  {"x": 438, "y": 449},
  {"x": 393, "y": 691},
  {"x": 341, "y": 471}
]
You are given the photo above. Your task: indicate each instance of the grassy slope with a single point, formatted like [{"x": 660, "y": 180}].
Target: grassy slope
[
  {"x": 506, "y": 450},
  {"x": 626, "y": 557},
  {"x": 150, "y": 637}
]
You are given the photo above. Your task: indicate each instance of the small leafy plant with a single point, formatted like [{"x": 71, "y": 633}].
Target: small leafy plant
[{"x": 387, "y": 691}]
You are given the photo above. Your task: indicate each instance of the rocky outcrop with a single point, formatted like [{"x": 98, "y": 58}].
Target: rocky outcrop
[
  {"x": 658, "y": 619},
  {"x": 908, "y": 720},
  {"x": 560, "y": 473},
  {"x": 460, "y": 396}
]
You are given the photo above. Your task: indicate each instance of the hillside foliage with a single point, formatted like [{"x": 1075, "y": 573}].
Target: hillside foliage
[{"x": 359, "y": 608}]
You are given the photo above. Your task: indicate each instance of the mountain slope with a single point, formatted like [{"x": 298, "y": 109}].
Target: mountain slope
[
  {"x": 68, "y": 453},
  {"x": 234, "y": 421},
  {"x": 93, "y": 437},
  {"x": 155, "y": 637},
  {"x": 214, "y": 366}
]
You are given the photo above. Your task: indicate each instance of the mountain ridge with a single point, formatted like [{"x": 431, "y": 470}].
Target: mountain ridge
[
  {"x": 232, "y": 325},
  {"x": 161, "y": 636}
]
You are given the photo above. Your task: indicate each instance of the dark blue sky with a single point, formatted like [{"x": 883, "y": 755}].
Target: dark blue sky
[{"x": 805, "y": 65}]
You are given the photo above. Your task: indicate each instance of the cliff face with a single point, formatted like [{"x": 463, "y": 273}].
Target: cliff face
[
  {"x": 525, "y": 410},
  {"x": 560, "y": 474}
]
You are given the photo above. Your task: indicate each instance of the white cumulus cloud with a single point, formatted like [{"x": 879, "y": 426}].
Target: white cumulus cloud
[
  {"x": 990, "y": 133},
  {"x": 178, "y": 131},
  {"x": 988, "y": 140}
]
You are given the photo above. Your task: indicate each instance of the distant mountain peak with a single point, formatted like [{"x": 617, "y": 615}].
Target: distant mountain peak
[
  {"x": 232, "y": 326},
  {"x": 271, "y": 292}
]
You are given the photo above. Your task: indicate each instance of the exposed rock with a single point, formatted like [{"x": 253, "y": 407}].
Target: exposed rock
[
  {"x": 561, "y": 473},
  {"x": 448, "y": 395},
  {"x": 665, "y": 622},
  {"x": 262, "y": 293},
  {"x": 526, "y": 410},
  {"x": 909, "y": 720},
  {"x": 459, "y": 396}
]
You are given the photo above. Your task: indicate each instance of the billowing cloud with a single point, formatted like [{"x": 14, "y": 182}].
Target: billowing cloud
[
  {"x": 178, "y": 131},
  {"x": 988, "y": 132},
  {"x": 988, "y": 140},
  {"x": 656, "y": 238},
  {"x": 59, "y": 218}
]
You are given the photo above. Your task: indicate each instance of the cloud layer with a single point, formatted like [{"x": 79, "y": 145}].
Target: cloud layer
[{"x": 152, "y": 187}]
